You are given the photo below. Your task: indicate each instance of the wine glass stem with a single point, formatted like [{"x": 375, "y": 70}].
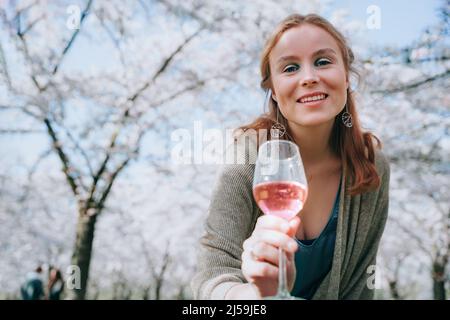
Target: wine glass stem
[{"x": 282, "y": 279}]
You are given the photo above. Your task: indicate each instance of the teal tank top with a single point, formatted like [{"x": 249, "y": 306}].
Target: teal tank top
[{"x": 314, "y": 257}]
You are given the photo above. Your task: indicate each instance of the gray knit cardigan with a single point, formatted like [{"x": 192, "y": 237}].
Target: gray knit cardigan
[{"x": 232, "y": 216}]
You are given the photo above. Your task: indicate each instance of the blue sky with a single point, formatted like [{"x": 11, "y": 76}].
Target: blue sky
[{"x": 401, "y": 20}]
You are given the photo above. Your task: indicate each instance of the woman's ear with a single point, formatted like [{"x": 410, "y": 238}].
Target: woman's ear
[{"x": 273, "y": 95}]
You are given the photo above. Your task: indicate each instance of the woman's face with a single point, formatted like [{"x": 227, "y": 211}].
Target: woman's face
[
  {"x": 308, "y": 76},
  {"x": 53, "y": 273}
]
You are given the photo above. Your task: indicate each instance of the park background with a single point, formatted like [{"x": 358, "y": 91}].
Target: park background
[{"x": 91, "y": 93}]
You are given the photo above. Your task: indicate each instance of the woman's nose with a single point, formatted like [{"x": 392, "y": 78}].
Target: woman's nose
[{"x": 309, "y": 77}]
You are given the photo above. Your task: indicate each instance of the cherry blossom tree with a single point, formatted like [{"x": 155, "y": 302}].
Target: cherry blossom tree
[
  {"x": 102, "y": 80},
  {"x": 408, "y": 105}
]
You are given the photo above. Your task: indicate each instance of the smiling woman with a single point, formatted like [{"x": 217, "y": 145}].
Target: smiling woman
[
  {"x": 332, "y": 245},
  {"x": 318, "y": 69}
]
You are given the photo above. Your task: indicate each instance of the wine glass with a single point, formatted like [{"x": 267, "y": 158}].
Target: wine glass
[{"x": 280, "y": 189}]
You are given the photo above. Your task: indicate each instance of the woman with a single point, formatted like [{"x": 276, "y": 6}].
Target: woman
[
  {"x": 332, "y": 245},
  {"x": 55, "y": 284}
]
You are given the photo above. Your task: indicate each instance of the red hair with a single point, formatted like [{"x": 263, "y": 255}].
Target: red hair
[{"x": 352, "y": 145}]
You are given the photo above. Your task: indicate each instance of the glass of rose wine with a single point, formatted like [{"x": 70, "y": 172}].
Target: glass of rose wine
[{"x": 280, "y": 189}]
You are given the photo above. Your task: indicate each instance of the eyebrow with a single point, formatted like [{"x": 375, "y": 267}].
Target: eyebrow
[{"x": 316, "y": 53}]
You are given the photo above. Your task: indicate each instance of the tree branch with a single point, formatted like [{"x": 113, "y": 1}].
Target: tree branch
[
  {"x": 79, "y": 148},
  {"x": 162, "y": 271},
  {"x": 101, "y": 203},
  {"x": 113, "y": 176},
  {"x": 74, "y": 35},
  {"x": 5, "y": 66},
  {"x": 164, "y": 65},
  {"x": 194, "y": 86},
  {"x": 113, "y": 40},
  {"x": 67, "y": 168},
  {"x": 102, "y": 167},
  {"x": 20, "y": 131},
  {"x": 26, "y": 189},
  {"x": 431, "y": 194},
  {"x": 413, "y": 236},
  {"x": 27, "y": 56},
  {"x": 414, "y": 84},
  {"x": 177, "y": 11},
  {"x": 30, "y": 26},
  {"x": 125, "y": 115}
]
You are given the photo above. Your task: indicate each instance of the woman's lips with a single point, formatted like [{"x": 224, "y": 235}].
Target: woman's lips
[{"x": 313, "y": 102}]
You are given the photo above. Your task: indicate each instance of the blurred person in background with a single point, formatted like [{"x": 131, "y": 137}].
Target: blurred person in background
[
  {"x": 55, "y": 286},
  {"x": 33, "y": 287}
]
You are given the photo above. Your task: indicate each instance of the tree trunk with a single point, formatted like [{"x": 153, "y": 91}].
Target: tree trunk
[
  {"x": 159, "y": 283},
  {"x": 81, "y": 256},
  {"x": 146, "y": 293},
  {"x": 394, "y": 290},
  {"x": 439, "y": 281}
]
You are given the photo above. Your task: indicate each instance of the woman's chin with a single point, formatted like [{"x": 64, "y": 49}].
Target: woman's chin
[{"x": 311, "y": 121}]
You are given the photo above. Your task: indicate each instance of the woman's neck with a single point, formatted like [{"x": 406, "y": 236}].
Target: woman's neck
[{"x": 314, "y": 143}]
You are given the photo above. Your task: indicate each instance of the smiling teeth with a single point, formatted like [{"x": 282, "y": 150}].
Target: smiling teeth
[{"x": 314, "y": 98}]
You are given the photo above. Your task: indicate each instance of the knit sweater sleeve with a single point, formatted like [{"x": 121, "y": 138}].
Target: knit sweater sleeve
[
  {"x": 231, "y": 219},
  {"x": 363, "y": 284}
]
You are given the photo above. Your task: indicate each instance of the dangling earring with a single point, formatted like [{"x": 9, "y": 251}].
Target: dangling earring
[
  {"x": 347, "y": 118},
  {"x": 277, "y": 130}
]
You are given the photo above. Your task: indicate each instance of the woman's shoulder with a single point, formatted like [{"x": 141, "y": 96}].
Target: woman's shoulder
[
  {"x": 243, "y": 150},
  {"x": 381, "y": 162},
  {"x": 382, "y": 167},
  {"x": 239, "y": 162}
]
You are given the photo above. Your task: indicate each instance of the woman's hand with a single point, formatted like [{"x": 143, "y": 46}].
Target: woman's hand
[{"x": 260, "y": 256}]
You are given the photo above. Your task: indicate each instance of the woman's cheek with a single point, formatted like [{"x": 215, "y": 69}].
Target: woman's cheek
[{"x": 335, "y": 79}]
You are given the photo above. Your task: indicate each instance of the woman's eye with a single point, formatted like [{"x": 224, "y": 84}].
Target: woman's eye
[
  {"x": 322, "y": 62},
  {"x": 290, "y": 68}
]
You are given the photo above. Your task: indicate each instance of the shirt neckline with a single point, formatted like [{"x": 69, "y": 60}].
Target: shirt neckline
[{"x": 332, "y": 216}]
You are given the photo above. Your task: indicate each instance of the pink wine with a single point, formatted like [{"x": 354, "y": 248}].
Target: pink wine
[{"x": 284, "y": 199}]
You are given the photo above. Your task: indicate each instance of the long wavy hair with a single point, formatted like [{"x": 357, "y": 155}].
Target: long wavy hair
[{"x": 352, "y": 145}]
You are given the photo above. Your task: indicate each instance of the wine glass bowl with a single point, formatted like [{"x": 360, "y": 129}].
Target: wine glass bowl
[{"x": 284, "y": 199}]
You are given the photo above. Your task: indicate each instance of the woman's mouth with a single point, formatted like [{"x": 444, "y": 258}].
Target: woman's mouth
[{"x": 313, "y": 100}]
